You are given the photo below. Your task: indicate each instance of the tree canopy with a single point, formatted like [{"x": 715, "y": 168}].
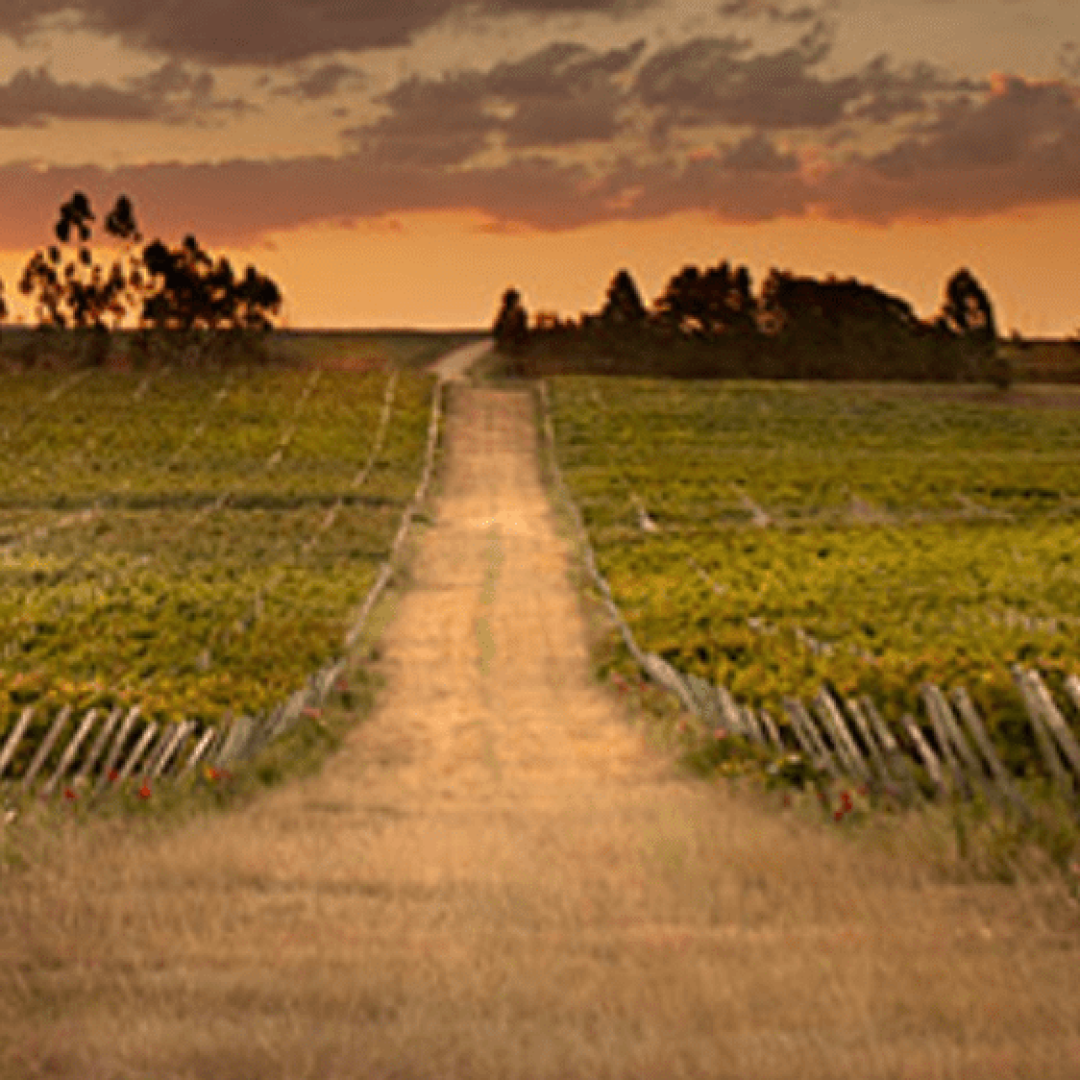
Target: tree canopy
[{"x": 176, "y": 297}]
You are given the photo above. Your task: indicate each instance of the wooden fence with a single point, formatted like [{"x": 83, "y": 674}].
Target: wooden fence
[
  {"x": 946, "y": 754},
  {"x": 122, "y": 750}
]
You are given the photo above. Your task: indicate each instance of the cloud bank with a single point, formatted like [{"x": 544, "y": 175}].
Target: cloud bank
[{"x": 566, "y": 136}]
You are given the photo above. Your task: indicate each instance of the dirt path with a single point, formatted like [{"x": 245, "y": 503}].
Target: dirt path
[
  {"x": 454, "y": 366},
  {"x": 496, "y": 878}
]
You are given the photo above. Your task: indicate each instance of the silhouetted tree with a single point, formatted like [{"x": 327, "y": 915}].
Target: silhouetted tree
[
  {"x": 511, "y": 330},
  {"x": 623, "y": 308},
  {"x": 80, "y": 293},
  {"x": 968, "y": 314},
  {"x": 681, "y": 308},
  {"x": 848, "y": 329},
  {"x": 191, "y": 299},
  {"x": 181, "y": 297}
]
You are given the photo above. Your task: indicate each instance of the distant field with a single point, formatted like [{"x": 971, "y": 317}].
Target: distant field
[
  {"x": 193, "y": 542},
  {"x": 351, "y": 349},
  {"x": 876, "y": 537},
  {"x": 354, "y": 348}
]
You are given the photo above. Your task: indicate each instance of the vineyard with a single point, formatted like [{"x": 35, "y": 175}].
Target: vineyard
[
  {"x": 191, "y": 544},
  {"x": 775, "y": 539}
]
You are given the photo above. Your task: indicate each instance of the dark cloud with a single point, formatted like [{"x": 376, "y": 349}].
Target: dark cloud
[
  {"x": 756, "y": 153},
  {"x": 709, "y": 183},
  {"x": 711, "y": 80},
  {"x": 1069, "y": 60},
  {"x": 431, "y": 123},
  {"x": 753, "y": 9},
  {"x": 177, "y": 93},
  {"x": 1018, "y": 122},
  {"x": 563, "y": 94},
  {"x": 1018, "y": 146},
  {"x": 885, "y": 93},
  {"x": 169, "y": 94},
  {"x": 238, "y": 202},
  {"x": 322, "y": 82},
  {"x": 33, "y": 97},
  {"x": 559, "y": 96},
  {"x": 276, "y": 31},
  {"x": 965, "y": 148}
]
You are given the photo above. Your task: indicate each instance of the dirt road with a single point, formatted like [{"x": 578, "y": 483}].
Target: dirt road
[{"x": 497, "y": 878}]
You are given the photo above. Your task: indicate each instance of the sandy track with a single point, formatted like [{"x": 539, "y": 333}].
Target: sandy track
[{"x": 497, "y": 878}]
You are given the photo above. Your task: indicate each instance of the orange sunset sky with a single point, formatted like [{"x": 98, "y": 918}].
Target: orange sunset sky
[{"x": 402, "y": 164}]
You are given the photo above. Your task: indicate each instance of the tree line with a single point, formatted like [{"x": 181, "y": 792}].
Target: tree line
[
  {"x": 185, "y": 304},
  {"x": 707, "y": 323}
]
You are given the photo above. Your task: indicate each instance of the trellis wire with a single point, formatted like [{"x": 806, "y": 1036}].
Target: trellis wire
[
  {"x": 234, "y": 740},
  {"x": 849, "y": 741}
]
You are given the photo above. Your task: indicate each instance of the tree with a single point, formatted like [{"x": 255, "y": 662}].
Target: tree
[
  {"x": 511, "y": 324},
  {"x": 847, "y": 329},
  {"x": 968, "y": 314},
  {"x": 179, "y": 296},
  {"x": 189, "y": 298},
  {"x": 80, "y": 293},
  {"x": 681, "y": 308},
  {"x": 623, "y": 308}
]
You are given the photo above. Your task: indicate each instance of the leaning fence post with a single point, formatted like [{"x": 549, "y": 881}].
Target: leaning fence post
[
  {"x": 69, "y": 753},
  {"x": 13, "y": 739},
  {"x": 877, "y": 758},
  {"x": 177, "y": 736},
  {"x": 200, "y": 748},
  {"x": 771, "y": 730},
  {"x": 846, "y": 749},
  {"x": 894, "y": 754},
  {"x": 1066, "y": 741},
  {"x": 966, "y": 708},
  {"x": 922, "y": 748},
  {"x": 117, "y": 747},
  {"x": 938, "y": 703},
  {"x": 82, "y": 774},
  {"x": 43, "y": 750},
  {"x": 808, "y": 737},
  {"x": 941, "y": 735},
  {"x": 140, "y": 748},
  {"x": 750, "y": 723},
  {"x": 1058, "y": 775}
]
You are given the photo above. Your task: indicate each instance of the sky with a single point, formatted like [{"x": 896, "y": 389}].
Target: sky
[{"x": 404, "y": 164}]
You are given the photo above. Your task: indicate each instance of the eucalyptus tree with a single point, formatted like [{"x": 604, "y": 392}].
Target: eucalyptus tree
[{"x": 185, "y": 303}]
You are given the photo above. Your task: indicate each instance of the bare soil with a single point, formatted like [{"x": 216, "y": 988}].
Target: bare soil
[{"x": 500, "y": 876}]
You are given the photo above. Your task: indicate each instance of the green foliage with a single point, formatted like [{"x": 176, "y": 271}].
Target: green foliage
[
  {"x": 912, "y": 538},
  {"x": 159, "y": 551}
]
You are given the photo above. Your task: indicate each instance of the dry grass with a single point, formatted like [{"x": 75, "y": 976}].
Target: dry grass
[{"x": 498, "y": 875}]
